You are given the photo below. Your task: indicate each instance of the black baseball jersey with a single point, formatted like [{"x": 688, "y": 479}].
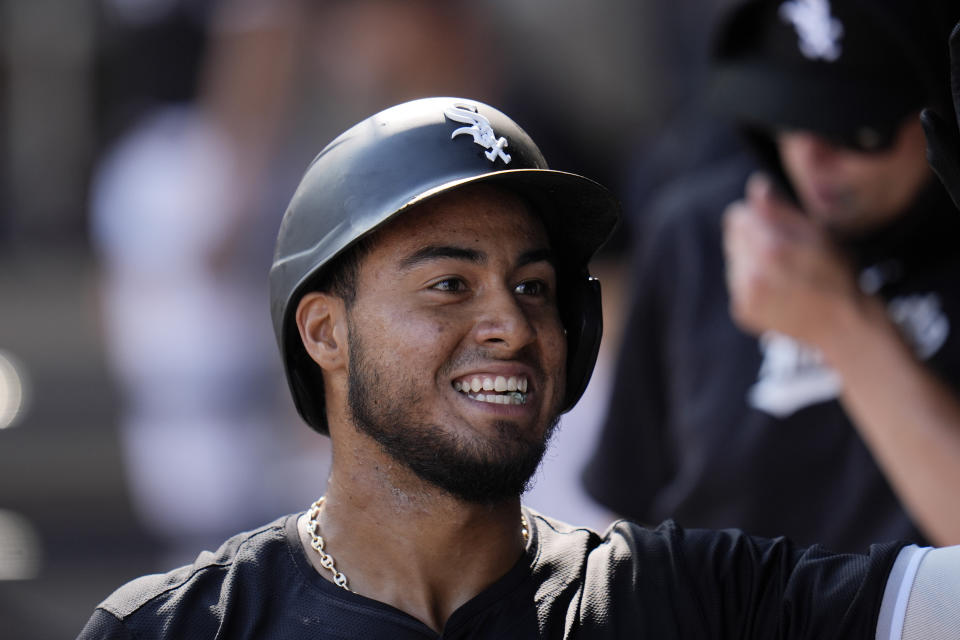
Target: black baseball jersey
[{"x": 631, "y": 582}]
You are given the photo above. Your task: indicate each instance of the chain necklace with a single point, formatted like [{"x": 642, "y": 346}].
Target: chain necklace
[{"x": 326, "y": 560}]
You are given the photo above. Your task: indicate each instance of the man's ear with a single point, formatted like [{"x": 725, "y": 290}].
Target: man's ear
[{"x": 322, "y": 321}]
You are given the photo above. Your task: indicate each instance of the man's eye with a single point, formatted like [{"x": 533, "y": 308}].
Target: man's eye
[
  {"x": 531, "y": 288},
  {"x": 449, "y": 284}
]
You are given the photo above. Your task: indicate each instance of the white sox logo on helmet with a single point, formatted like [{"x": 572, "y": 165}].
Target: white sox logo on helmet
[
  {"x": 819, "y": 31},
  {"x": 480, "y": 129}
]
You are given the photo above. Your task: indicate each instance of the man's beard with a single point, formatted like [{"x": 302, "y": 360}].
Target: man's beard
[{"x": 487, "y": 472}]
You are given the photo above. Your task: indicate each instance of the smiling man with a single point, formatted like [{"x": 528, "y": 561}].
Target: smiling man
[
  {"x": 432, "y": 302},
  {"x": 463, "y": 289}
]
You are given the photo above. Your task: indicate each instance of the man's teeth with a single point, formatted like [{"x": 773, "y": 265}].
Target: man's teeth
[
  {"x": 516, "y": 388},
  {"x": 514, "y": 397}
]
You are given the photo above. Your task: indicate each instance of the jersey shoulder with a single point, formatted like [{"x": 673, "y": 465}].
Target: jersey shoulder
[{"x": 200, "y": 582}]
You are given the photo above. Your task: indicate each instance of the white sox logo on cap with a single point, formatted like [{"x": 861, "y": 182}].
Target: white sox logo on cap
[
  {"x": 480, "y": 129},
  {"x": 819, "y": 32}
]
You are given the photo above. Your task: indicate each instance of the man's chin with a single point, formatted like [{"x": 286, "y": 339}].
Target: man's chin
[
  {"x": 479, "y": 473},
  {"x": 845, "y": 228}
]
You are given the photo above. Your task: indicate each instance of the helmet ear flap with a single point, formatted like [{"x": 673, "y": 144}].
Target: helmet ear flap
[{"x": 583, "y": 319}]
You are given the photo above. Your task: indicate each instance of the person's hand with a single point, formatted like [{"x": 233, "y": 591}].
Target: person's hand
[
  {"x": 943, "y": 139},
  {"x": 783, "y": 273}
]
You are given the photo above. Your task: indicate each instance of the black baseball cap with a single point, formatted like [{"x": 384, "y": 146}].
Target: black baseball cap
[{"x": 849, "y": 70}]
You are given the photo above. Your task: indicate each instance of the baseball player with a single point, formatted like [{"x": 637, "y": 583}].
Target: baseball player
[
  {"x": 753, "y": 386},
  {"x": 432, "y": 302}
]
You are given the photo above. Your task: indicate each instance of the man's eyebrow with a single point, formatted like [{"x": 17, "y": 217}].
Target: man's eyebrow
[
  {"x": 440, "y": 252},
  {"x": 538, "y": 255}
]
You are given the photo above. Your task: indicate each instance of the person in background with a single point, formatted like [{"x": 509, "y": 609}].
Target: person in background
[
  {"x": 177, "y": 207},
  {"x": 762, "y": 407}
]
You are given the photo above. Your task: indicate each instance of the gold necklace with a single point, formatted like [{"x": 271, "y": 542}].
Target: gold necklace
[{"x": 326, "y": 560}]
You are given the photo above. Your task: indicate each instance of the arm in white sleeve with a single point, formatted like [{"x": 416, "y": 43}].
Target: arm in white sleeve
[{"x": 922, "y": 596}]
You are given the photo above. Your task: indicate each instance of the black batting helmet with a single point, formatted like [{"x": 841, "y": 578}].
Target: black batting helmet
[{"x": 398, "y": 158}]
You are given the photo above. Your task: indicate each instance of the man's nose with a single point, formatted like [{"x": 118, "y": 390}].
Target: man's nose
[{"x": 503, "y": 322}]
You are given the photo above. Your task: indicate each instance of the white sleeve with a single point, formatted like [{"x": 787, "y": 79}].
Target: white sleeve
[
  {"x": 897, "y": 592},
  {"x": 922, "y": 596}
]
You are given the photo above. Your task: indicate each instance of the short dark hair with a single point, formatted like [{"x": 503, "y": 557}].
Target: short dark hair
[{"x": 339, "y": 275}]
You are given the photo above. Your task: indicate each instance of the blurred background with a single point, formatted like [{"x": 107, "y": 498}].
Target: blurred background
[{"x": 147, "y": 151}]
